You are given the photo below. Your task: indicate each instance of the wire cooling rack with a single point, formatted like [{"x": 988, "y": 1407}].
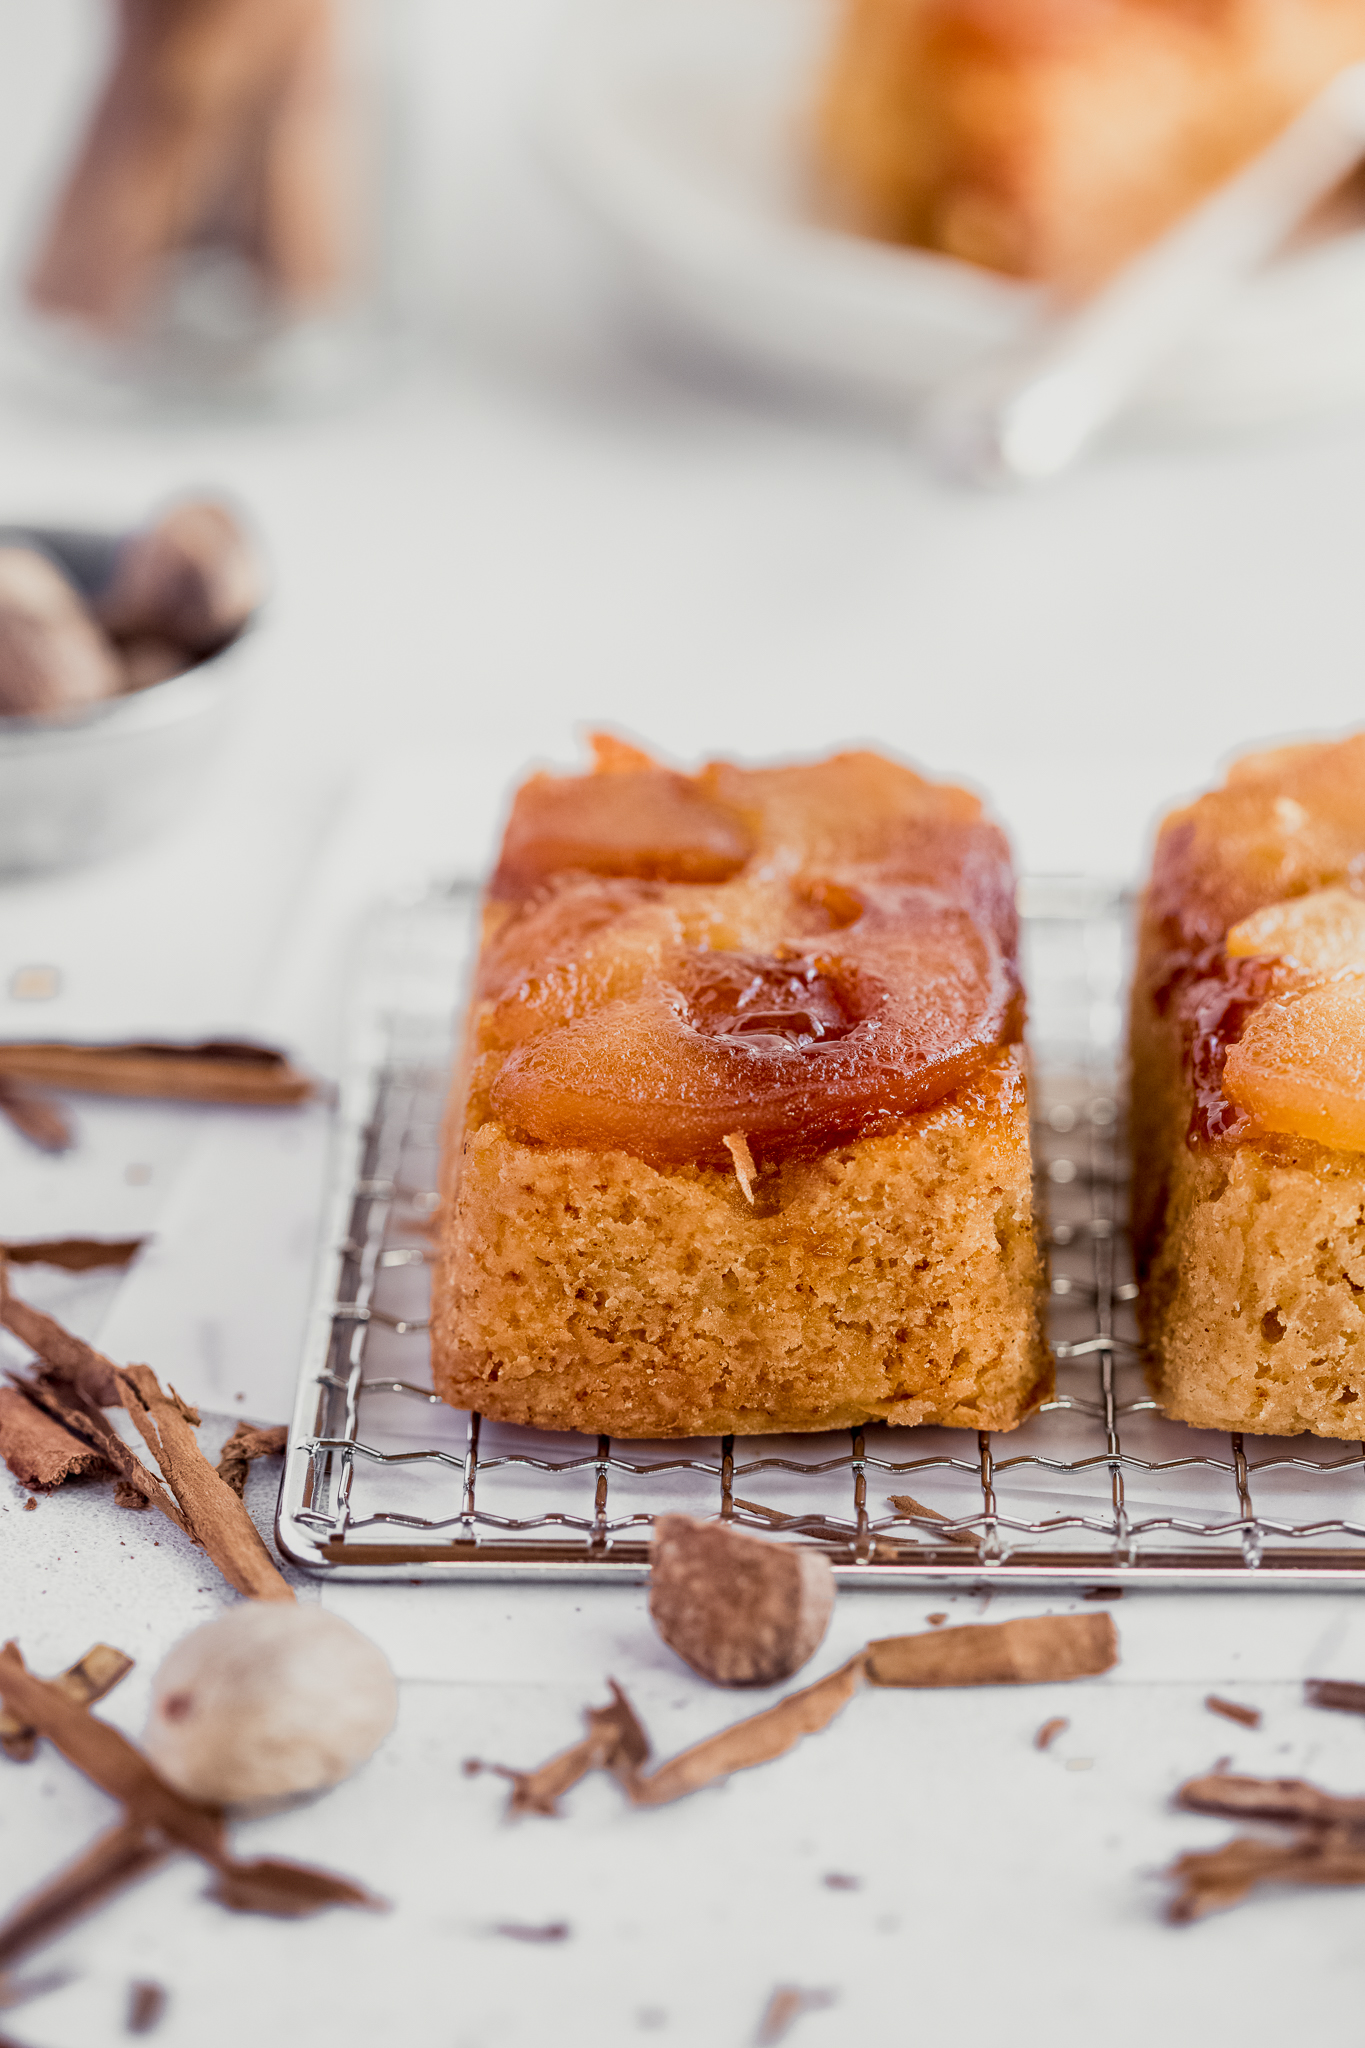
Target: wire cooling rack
[{"x": 1098, "y": 1489}]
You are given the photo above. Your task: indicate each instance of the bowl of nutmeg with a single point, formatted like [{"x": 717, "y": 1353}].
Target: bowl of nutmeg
[{"x": 116, "y": 677}]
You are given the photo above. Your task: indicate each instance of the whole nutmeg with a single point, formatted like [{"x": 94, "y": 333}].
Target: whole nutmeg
[
  {"x": 193, "y": 578},
  {"x": 53, "y": 657},
  {"x": 269, "y": 1700},
  {"x": 737, "y": 1608}
]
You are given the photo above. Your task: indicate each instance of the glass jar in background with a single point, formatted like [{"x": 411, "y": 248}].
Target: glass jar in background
[{"x": 222, "y": 231}]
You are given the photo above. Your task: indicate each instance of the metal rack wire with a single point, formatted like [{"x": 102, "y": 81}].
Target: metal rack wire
[{"x": 1097, "y": 1489}]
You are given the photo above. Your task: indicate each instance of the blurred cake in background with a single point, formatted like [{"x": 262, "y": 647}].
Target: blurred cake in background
[{"x": 1051, "y": 139}]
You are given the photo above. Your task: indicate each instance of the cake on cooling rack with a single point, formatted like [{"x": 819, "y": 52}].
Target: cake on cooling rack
[
  {"x": 1053, "y": 138},
  {"x": 740, "y": 1136},
  {"x": 1248, "y": 1058}
]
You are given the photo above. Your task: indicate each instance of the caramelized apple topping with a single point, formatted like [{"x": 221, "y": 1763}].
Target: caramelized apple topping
[
  {"x": 1286, "y": 823},
  {"x": 642, "y": 822},
  {"x": 784, "y": 959},
  {"x": 1299, "y": 1065},
  {"x": 1317, "y": 935},
  {"x": 909, "y": 1001}
]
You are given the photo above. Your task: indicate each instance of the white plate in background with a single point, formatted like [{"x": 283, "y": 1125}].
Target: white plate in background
[{"x": 680, "y": 125}]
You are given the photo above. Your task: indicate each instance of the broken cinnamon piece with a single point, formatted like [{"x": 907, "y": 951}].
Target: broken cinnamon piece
[
  {"x": 615, "y": 1741},
  {"x": 1213, "y": 1879},
  {"x": 126, "y": 1495},
  {"x": 1246, "y": 1717},
  {"x": 146, "y": 2006},
  {"x": 87, "y": 1680},
  {"x": 158, "y": 1820},
  {"x": 755, "y": 1741},
  {"x": 904, "y": 1504},
  {"x": 1049, "y": 1732},
  {"x": 786, "y": 2006},
  {"x": 247, "y": 1075},
  {"x": 1291, "y": 1800},
  {"x": 39, "y": 1451},
  {"x": 515, "y": 1930},
  {"x": 737, "y": 1145},
  {"x": 75, "y": 1254},
  {"x": 739, "y": 1609},
  {"x": 243, "y": 1447},
  {"x": 1340, "y": 1694},
  {"x": 214, "y": 1514},
  {"x": 1026, "y": 1652},
  {"x": 35, "y": 1118},
  {"x": 84, "y": 1368}
]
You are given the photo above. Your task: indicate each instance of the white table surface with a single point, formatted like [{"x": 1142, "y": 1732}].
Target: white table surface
[{"x": 553, "y": 519}]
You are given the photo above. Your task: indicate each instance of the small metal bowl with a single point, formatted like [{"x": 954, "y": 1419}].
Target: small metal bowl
[{"x": 76, "y": 789}]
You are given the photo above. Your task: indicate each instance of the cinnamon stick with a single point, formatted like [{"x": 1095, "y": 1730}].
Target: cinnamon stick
[
  {"x": 182, "y": 107},
  {"x": 1026, "y": 1652},
  {"x": 249, "y": 1076},
  {"x": 74, "y": 1254},
  {"x": 215, "y": 1516}
]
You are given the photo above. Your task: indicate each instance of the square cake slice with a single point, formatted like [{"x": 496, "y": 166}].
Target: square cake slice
[
  {"x": 1052, "y": 139},
  {"x": 1248, "y": 1078},
  {"x": 739, "y": 1140}
]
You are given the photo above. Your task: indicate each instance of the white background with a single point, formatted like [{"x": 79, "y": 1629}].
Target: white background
[{"x": 552, "y": 518}]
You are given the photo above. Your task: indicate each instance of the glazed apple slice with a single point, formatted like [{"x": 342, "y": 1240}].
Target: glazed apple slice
[
  {"x": 1318, "y": 935},
  {"x": 798, "y": 1053},
  {"x": 1299, "y": 1065}
]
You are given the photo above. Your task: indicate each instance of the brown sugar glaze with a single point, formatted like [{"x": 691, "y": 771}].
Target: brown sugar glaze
[{"x": 670, "y": 960}]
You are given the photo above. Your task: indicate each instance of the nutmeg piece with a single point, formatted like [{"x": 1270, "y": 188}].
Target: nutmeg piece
[
  {"x": 193, "y": 578},
  {"x": 739, "y": 1609},
  {"x": 270, "y": 1700},
  {"x": 53, "y": 657}
]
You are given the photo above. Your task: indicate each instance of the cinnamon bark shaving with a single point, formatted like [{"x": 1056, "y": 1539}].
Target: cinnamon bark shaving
[
  {"x": 251, "y": 1075},
  {"x": 87, "y": 1680},
  {"x": 1049, "y": 1732},
  {"x": 213, "y": 1513},
  {"x": 1029, "y": 1652},
  {"x": 1324, "y": 1842},
  {"x": 75, "y": 1254},
  {"x": 1341, "y": 1694},
  {"x": 243, "y": 1447},
  {"x": 35, "y": 1118},
  {"x": 786, "y": 2006},
  {"x": 39, "y": 1451},
  {"x": 905, "y": 1504},
  {"x": 1245, "y": 1717},
  {"x": 158, "y": 1821},
  {"x": 615, "y": 1742}
]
